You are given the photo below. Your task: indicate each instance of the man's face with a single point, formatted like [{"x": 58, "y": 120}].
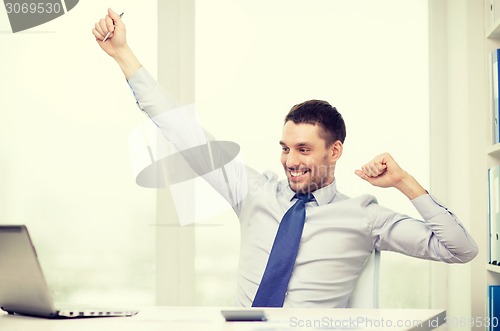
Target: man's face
[{"x": 309, "y": 164}]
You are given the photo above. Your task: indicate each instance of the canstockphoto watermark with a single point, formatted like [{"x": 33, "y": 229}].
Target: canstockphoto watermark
[
  {"x": 359, "y": 322},
  {"x": 26, "y": 14}
]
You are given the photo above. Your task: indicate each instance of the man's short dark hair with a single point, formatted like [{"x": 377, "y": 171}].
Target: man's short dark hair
[{"x": 319, "y": 112}]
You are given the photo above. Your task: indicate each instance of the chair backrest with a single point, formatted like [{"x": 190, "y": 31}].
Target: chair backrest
[{"x": 365, "y": 293}]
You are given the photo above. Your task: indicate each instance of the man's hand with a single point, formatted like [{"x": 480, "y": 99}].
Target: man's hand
[
  {"x": 116, "y": 44},
  {"x": 383, "y": 171},
  {"x": 116, "y": 41}
]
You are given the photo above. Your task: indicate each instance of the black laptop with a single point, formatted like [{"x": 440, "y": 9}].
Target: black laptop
[{"x": 23, "y": 289}]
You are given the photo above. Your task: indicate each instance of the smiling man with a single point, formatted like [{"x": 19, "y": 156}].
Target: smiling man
[{"x": 303, "y": 243}]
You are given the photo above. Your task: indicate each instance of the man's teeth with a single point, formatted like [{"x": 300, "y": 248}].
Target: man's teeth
[{"x": 297, "y": 173}]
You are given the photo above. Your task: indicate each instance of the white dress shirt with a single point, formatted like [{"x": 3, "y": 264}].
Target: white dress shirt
[{"x": 339, "y": 232}]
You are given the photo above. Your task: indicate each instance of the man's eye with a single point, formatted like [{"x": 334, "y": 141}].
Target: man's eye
[
  {"x": 285, "y": 149},
  {"x": 304, "y": 150}
]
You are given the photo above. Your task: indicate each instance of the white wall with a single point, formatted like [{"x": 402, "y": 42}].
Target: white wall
[
  {"x": 460, "y": 110},
  {"x": 256, "y": 59},
  {"x": 65, "y": 115}
]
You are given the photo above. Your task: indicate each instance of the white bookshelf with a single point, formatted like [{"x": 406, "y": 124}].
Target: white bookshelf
[
  {"x": 495, "y": 269},
  {"x": 493, "y": 151},
  {"x": 492, "y": 42}
]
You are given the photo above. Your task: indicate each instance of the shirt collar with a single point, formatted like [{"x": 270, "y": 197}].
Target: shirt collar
[{"x": 322, "y": 196}]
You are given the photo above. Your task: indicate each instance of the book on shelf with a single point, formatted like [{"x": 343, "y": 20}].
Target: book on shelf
[
  {"x": 493, "y": 307},
  {"x": 495, "y": 55},
  {"x": 494, "y": 214},
  {"x": 494, "y": 11}
]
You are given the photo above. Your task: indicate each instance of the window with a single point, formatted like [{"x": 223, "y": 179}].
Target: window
[{"x": 66, "y": 115}]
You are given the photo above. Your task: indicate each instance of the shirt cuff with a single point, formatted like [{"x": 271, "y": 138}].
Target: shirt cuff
[
  {"x": 150, "y": 96},
  {"x": 141, "y": 82},
  {"x": 428, "y": 206}
]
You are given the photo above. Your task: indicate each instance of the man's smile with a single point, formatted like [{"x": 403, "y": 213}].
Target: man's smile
[{"x": 297, "y": 174}]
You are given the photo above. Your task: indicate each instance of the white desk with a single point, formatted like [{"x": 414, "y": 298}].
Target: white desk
[{"x": 210, "y": 318}]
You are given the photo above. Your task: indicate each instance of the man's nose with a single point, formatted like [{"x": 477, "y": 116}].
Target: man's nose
[{"x": 292, "y": 160}]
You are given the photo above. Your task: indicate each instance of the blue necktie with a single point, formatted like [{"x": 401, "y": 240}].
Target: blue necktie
[{"x": 274, "y": 283}]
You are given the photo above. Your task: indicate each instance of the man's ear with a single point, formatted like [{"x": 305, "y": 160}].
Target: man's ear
[{"x": 336, "y": 150}]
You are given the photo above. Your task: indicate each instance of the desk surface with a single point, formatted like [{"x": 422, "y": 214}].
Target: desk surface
[{"x": 210, "y": 318}]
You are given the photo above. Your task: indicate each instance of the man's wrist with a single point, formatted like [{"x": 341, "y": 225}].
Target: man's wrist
[
  {"x": 127, "y": 61},
  {"x": 410, "y": 187}
]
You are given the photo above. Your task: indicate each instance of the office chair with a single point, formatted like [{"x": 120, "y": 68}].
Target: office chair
[{"x": 365, "y": 293}]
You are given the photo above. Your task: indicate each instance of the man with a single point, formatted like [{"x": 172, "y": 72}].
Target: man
[{"x": 335, "y": 234}]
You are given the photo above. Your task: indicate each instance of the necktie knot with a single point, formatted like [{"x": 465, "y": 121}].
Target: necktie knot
[{"x": 305, "y": 197}]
